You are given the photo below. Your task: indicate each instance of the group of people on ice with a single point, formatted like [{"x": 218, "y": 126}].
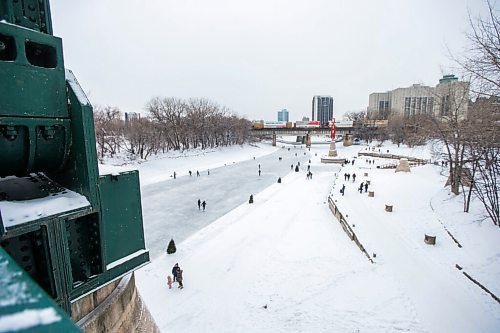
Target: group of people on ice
[
  {"x": 201, "y": 204},
  {"x": 361, "y": 186},
  {"x": 177, "y": 274},
  {"x": 347, "y": 177}
]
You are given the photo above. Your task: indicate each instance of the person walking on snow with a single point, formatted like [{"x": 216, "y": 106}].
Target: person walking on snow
[
  {"x": 361, "y": 187},
  {"x": 342, "y": 190},
  {"x": 197, "y": 173},
  {"x": 353, "y": 177},
  {"x": 203, "y": 204},
  {"x": 366, "y": 187},
  {"x": 190, "y": 173},
  {"x": 175, "y": 174},
  {"x": 175, "y": 269},
  {"x": 169, "y": 282},
  {"x": 180, "y": 278},
  {"x": 199, "y": 204},
  {"x": 259, "y": 172}
]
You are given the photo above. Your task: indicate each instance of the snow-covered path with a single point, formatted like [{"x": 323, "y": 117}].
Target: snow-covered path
[
  {"x": 427, "y": 274},
  {"x": 282, "y": 264}
]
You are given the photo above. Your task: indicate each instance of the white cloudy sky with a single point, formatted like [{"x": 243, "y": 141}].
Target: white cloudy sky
[{"x": 258, "y": 56}]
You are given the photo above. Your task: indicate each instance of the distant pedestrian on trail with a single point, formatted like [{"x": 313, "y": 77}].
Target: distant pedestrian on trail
[
  {"x": 366, "y": 187},
  {"x": 199, "y": 204},
  {"x": 291, "y": 167},
  {"x": 361, "y": 187},
  {"x": 203, "y": 204},
  {"x": 352, "y": 162},
  {"x": 308, "y": 167},
  {"x": 208, "y": 172},
  {"x": 342, "y": 190},
  {"x": 259, "y": 172},
  {"x": 353, "y": 177},
  {"x": 180, "y": 278},
  {"x": 296, "y": 168},
  {"x": 348, "y": 176},
  {"x": 190, "y": 173},
  {"x": 197, "y": 173},
  {"x": 175, "y": 174},
  {"x": 259, "y": 166},
  {"x": 175, "y": 269}
]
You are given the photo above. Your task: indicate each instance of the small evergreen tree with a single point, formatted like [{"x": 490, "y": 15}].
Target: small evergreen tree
[{"x": 171, "y": 247}]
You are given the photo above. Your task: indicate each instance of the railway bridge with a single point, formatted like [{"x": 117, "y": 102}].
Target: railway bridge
[{"x": 304, "y": 134}]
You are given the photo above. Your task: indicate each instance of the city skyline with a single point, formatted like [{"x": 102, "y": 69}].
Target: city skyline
[{"x": 258, "y": 57}]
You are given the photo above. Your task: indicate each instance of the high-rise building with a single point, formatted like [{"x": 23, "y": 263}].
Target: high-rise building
[
  {"x": 283, "y": 115},
  {"x": 322, "y": 109},
  {"x": 418, "y": 99},
  {"x": 131, "y": 116}
]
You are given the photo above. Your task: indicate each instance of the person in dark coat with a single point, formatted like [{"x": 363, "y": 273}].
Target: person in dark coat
[
  {"x": 203, "y": 204},
  {"x": 180, "y": 278},
  {"x": 353, "y": 177},
  {"x": 190, "y": 173},
  {"x": 175, "y": 174},
  {"x": 197, "y": 173},
  {"x": 342, "y": 190},
  {"x": 175, "y": 270},
  {"x": 259, "y": 172},
  {"x": 366, "y": 187},
  {"x": 348, "y": 176},
  {"x": 199, "y": 204},
  {"x": 361, "y": 187}
]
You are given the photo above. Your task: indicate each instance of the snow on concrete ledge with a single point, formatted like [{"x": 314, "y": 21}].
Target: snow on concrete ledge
[
  {"x": 19, "y": 212},
  {"x": 77, "y": 89},
  {"x": 125, "y": 259},
  {"x": 28, "y": 319}
]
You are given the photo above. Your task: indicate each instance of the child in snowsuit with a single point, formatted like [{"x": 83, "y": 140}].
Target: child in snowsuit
[{"x": 169, "y": 282}]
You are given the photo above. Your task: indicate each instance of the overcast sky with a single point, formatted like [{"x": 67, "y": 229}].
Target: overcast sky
[{"x": 258, "y": 56}]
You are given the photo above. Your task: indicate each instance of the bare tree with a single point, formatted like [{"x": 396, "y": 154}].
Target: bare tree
[
  {"x": 484, "y": 152},
  {"x": 449, "y": 126},
  {"x": 357, "y": 116},
  {"x": 108, "y": 125},
  {"x": 481, "y": 62}
]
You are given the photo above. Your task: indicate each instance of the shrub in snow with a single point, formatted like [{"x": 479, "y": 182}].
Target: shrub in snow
[{"x": 171, "y": 247}]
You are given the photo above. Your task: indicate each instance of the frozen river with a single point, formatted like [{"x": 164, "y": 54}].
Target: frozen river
[{"x": 170, "y": 207}]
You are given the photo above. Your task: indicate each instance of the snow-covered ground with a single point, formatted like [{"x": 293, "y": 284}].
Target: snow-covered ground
[{"x": 284, "y": 263}]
